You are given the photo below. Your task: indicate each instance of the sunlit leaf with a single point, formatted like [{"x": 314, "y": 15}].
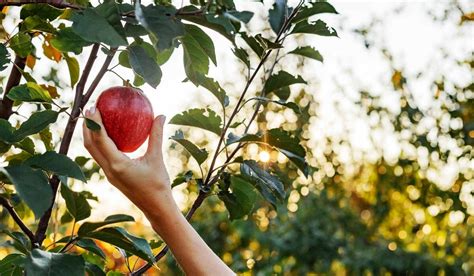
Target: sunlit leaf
[
  {"x": 280, "y": 80},
  {"x": 318, "y": 28},
  {"x": 43, "y": 263},
  {"x": 144, "y": 65},
  {"x": 241, "y": 200},
  {"x": 309, "y": 52},
  {"x": 267, "y": 184},
  {"x": 87, "y": 227},
  {"x": 200, "y": 155},
  {"x": 29, "y": 92},
  {"x": 313, "y": 8},
  {"x": 202, "y": 118}
]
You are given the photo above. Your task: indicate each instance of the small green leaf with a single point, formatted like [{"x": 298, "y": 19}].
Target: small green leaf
[
  {"x": 280, "y": 80},
  {"x": 240, "y": 202},
  {"x": 182, "y": 178},
  {"x": 73, "y": 66},
  {"x": 11, "y": 263},
  {"x": 194, "y": 57},
  {"x": 203, "y": 40},
  {"x": 92, "y": 125},
  {"x": 36, "y": 23},
  {"x": 162, "y": 22},
  {"x": 36, "y": 123},
  {"x": 213, "y": 87},
  {"x": 47, "y": 138},
  {"x": 19, "y": 240},
  {"x": 318, "y": 28},
  {"x": 42, "y": 263},
  {"x": 42, "y": 10},
  {"x": 313, "y": 8},
  {"x": 144, "y": 65},
  {"x": 200, "y": 155},
  {"x": 119, "y": 237},
  {"x": 253, "y": 44},
  {"x": 293, "y": 106},
  {"x": 4, "y": 57},
  {"x": 197, "y": 118},
  {"x": 242, "y": 55},
  {"x": 76, "y": 203},
  {"x": 32, "y": 186},
  {"x": 66, "y": 40},
  {"x": 278, "y": 14},
  {"x": 21, "y": 44},
  {"x": 93, "y": 27},
  {"x": 27, "y": 145},
  {"x": 267, "y": 184},
  {"x": 309, "y": 52},
  {"x": 91, "y": 246},
  {"x": 87, "y": 227},
  {"x": 29, "y": 92}
]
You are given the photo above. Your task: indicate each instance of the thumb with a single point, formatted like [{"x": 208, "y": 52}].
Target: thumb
[{"x": 155, "y": 141}]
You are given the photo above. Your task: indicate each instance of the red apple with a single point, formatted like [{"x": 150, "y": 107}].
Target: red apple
[{"x": 127, "y": 116}]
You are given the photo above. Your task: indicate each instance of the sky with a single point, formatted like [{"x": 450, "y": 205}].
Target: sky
[{"x": 410, "y": 35}]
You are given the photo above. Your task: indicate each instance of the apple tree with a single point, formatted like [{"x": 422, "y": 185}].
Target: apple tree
[{"x": 140, "y": 37}]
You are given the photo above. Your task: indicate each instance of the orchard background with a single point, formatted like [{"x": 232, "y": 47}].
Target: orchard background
[{"x": 353, "y": 140}]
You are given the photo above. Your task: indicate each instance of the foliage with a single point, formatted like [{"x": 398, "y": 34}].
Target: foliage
[{"x": 145, "y": 37}]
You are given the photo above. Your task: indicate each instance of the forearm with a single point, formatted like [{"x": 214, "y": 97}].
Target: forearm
[{"x": 189, "y": 249}]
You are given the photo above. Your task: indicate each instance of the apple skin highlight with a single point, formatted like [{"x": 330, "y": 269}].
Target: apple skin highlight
[{"x": 127, "y": 116}]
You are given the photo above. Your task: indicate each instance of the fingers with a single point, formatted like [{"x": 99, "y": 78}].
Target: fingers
[
  {"x": 155, "y": 141},
  {"x": 90, "y": 146},
  {"x": 101, "y": 142}
]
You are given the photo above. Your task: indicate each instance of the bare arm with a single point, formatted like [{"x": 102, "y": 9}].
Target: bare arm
[{"x": 146, "y": 183}]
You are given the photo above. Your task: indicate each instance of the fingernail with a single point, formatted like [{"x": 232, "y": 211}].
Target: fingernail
[
  {"x": 87, "y": 112},
  {"x": 92, "y": 110}
]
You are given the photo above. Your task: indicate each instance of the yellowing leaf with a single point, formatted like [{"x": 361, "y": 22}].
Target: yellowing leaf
[
  {"x": 51, "y": 52},
  {"x": 30, "y": 61}
]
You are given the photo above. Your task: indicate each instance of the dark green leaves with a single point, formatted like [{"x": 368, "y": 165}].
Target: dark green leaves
[
  {"x": 42, "y": 263},
  {"x": 267, "y": 184},
  {"x": 11, "y": 264},
  {"x": 92, "y": 125},
  {"x": 90, "y": 245},
  {"x": 57, "y": 163},
  {"x": 76, "y": 203},
  {"x": 144, "y": 65},
  {"x": 29, "y": 92},
  {"x": 200, "y": 155},
  {"x": 213, "y": 87},
  {"x": 4, "y": 57},
  {"x": 241, "y": 200},
  {"x": 36, "y": 123},
  {"x": 66, "y": 40},
  {"x": 277, "y": 15},
  {"x": 317, "y": 28},
  {"x": 308, "y": 52},
  {"x": 100, "y": 24},
  {"x": 21, "y": 44},
  {"x": 280, "y": 80},
  {"x": 204, "y": 41},
  {"x": 202, "y": 118},
  {"x": 121, "y": 238},
  {"x": 313, "y": 8},
  {"x": 87, "y": 227},
  {"x": 195, "y": 59},
  {"x": 41, "y": 10},
  {"x": 161, "y": 22},
  {"x": 32, "y": 186}
]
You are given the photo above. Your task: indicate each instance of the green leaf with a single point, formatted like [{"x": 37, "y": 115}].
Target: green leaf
[
  {"x": 19, "y": 240},
  {"x": 318, "y": 28},
  {"x": 27, "y": 145},
  {"x": 73, "y": 66},
  {"x": 267, "y": 184},
  {"x": 42, "y": 263},
  {"x": 93, "y": 27},
  {"x": 163, "y": 56},
  {"x": 76, "y": 203},
  {"x": 194, "y": 58},
  {"x": 11, "y": 263},
  {"x": 203, "y": 20},
  {"x": 21, "y": 44},
  {"x": 307, "y": 51},
  {"x": 200, "y": 155},
  {"x": 253, "y": 44},
  {"x": 133, "y": 30},
  {"x": 92, "y": 125},
  {"x": 29, "y": 92},
  {"x": 240, "y": 202},
  {"x": 283, "y": 93},
  {"x": 36, "y": 123},
  {"x": 119, "y": 237},
  {"x": 281, "y": 140},
  {"x": 243, "y": 16},
  {"x": 280, "y": 80},
  {"x": 144, "y": 65},
  {"x": 162, "y": 22},
  {"x": 36, "y": 23},
  {"x": 293, "y": 106},
  {"x": 182, "y": 178},
  {"x": 242, "y": 55},
  {"x": 94, "y": 270},
  {"x": 197, "y": 117},
  {"x": 223, "y": 21},
  {"x": 91, "y": 246},
  {"x": 47, "y": 138},
  {"x": 4, "y": 57},
  {"x": 66, "y": 40},
  {"x": 42, "y": 10},
  {"x": 277, "y": 15},
  {"x": 32, "y": 186},
  {"x": 267, "y": 44},
  {"x": 213, "y": 87},
  {"x": 123, "y": 59},
  {"x": 313, "y": 8},
  {"x": 87, "y": 227},
  {"x": 203, "y": 40}
]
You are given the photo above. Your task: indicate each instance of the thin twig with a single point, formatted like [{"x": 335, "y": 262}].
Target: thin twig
[
  {"x": 13, "y": 80},
  {"x": 6, "y": 204},
  {"x": 58, "y": 4}
]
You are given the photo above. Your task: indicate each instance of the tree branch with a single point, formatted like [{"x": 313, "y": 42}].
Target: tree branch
[
  {"x": 6, "y": 204},
  {"x": 199, "y": 200},
  {"x": 14, "y": 79},
  {"x": 66, "y": 140},
  {"x": 55, "y": 3}
]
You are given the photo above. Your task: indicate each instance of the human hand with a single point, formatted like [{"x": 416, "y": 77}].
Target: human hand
[{"x": 143, "y": 179}]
